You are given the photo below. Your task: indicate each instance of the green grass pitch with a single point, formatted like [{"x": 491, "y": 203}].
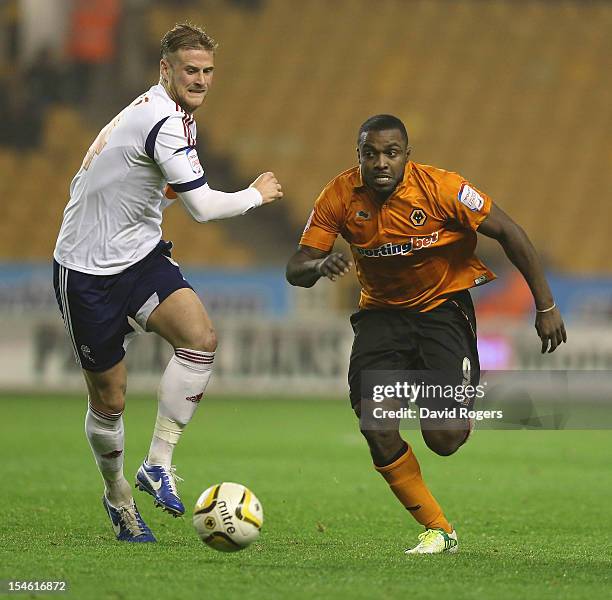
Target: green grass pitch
[{"x": 532, "y": 509}]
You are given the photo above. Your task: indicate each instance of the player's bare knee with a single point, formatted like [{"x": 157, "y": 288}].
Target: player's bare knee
[
  {"x": 439, "y": 449},
  {"x": 203, "y": 339},
  {"x": 443, "y": 449},
  {"x": 209, "y": 340},
  {"x": 107, "y": 393},
  {"x": 108, "y": 400},
  {"x": 443, "y": 443}
]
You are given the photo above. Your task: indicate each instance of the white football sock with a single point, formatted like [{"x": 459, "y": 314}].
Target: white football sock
[
  {"x": 105, "y": 435},
  {"x": 180, "y": 391}
]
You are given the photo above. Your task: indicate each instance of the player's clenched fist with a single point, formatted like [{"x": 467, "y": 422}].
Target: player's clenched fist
[
  {"x": 334, "y": 266},
  {"x": 268, "y": 186}
]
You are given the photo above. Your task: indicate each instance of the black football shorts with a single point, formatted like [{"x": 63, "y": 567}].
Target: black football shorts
[{"x": 440, "y": 343}]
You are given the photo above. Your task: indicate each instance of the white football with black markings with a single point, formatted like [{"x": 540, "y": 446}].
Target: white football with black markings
[{"x": 228, "y": 517}]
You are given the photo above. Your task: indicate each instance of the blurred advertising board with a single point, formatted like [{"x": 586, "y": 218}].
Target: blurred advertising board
[{"x": 270, "y": 339}]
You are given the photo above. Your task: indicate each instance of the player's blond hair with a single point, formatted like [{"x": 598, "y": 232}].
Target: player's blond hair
[{"x": 186, "y": 35}]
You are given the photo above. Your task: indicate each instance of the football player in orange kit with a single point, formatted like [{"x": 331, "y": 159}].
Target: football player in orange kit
[{"x": 412, "y": 231}]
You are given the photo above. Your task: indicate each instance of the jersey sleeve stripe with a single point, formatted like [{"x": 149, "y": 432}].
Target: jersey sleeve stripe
[
  {"x": 150, "y": 142},
  {"x": 187, "y": 122},
  {"x": 183, "y": 149},
  {"x": 190, "y": 185}
]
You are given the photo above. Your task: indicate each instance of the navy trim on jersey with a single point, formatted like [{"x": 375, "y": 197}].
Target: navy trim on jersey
[
  {"x": 190, "y": 185},
  {"x": 150, "y": 143},
  {"x": 183, "y": 149}
]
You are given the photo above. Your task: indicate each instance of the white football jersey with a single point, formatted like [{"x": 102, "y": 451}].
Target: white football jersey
[{"x": 114, "y": 215}]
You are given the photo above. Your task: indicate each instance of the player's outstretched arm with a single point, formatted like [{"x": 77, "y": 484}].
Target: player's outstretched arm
[
  {"x": 519, "y": 249},
  {"x": 309, "y": 264},
  {"x": 205, "y": 204}
]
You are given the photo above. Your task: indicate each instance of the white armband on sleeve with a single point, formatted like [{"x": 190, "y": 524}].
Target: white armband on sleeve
[{"x": 205, "y": 204}]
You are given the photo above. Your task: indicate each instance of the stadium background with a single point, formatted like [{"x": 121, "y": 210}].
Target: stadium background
[{"x": 514, "y": 95}]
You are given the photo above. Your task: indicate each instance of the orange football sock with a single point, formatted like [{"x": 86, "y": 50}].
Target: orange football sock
[{"x": 404, "y": 478}]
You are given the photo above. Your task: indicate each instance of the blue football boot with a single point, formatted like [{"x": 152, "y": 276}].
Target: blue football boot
[
  {"x": 160, "y": 482},
  {"x": 127, "y": 523}
]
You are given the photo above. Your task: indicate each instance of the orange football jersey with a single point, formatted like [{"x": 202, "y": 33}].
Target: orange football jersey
[{"x": 417, "y": 248}]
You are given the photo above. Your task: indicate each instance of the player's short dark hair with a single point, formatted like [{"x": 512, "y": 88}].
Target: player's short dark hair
[
  {"x": 382, "y": 123},
  {"x": 186, "y": 35}
]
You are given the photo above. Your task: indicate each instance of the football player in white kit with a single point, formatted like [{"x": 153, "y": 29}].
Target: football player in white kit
[{"x": 110, "y": 263}]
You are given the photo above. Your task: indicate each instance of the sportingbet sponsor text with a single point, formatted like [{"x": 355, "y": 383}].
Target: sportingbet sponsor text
[{"x": 390, "y": 249}]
